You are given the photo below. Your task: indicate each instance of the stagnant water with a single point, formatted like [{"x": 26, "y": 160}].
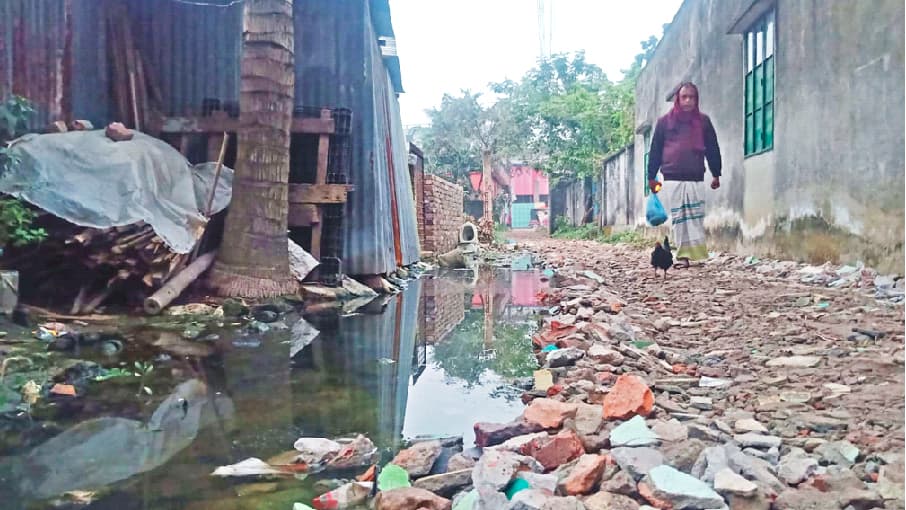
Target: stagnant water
[{"x": 430, "y": 361}]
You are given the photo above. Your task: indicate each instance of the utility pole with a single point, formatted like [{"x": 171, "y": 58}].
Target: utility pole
[{"x": 487, "y": 186}]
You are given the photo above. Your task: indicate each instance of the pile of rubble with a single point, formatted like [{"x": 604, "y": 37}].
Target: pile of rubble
[{"x": 757, "y": 398}]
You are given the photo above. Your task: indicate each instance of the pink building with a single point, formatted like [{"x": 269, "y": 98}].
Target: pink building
[
  {"x": 530, "y": 194},
  {"x": 529, "y": 181}
]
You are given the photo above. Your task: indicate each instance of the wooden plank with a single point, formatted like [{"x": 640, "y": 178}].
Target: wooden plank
[
  {"x": 218, "y": 124},
  {"x": 184, "y": 145},
  {"x": 318, "y": 193},
  {"x": 320, "y": 179},
  {"x": 215, "y": 141},
  {"x": 303, "y": 215}
]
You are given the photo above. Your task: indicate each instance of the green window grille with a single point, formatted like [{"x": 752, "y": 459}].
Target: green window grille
[{"x": 759, "y": 45}]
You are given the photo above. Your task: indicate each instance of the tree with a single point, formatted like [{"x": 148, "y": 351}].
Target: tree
[
  {"x": 565, "y": 108},
  {"x": 564, "y": 116},
  {"x": 461, "y": 130},
  {"x": 253, "y": 260}
]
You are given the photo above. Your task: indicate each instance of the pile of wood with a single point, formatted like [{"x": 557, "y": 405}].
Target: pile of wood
[
  {"x": 133, "y": 86},
  {"x": 135, "y": 250},
  {"x": 86, "y": 266}
]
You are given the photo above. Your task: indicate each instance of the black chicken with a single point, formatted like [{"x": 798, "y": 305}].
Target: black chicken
[{"x": 661, "y": 257}]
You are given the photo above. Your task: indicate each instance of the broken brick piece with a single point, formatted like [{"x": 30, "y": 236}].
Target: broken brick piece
[
  {"x": 629, "y": 396},
  {"x": 63, "y": 389},
  {"x": 117, "y": 132}
]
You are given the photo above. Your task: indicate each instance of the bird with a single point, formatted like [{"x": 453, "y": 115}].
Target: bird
[{"x": 661, "y": 257}]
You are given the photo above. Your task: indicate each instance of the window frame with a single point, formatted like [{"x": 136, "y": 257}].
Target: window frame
[{"x": 759, "y": 45}]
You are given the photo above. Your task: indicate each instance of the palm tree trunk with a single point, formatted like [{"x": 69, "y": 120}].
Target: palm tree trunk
[{"x": 253, "y": 260}]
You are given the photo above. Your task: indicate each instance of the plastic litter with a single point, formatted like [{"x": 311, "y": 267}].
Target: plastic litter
[
  {"x": 654, "y": 211},
  {"x": 346, "y": 496},
  {"x": 393, "y": 477}
]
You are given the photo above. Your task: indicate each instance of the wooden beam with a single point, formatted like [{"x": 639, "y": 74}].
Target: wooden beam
[
  {"x": 320, "y": 179},
  {"x": 303, "y": 215},
  {"x": 318, "y": 193},
  {"x": 220, "y": 123}
]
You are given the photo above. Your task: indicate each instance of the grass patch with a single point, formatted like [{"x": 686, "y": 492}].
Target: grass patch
[{"x": 597, "y": 234}]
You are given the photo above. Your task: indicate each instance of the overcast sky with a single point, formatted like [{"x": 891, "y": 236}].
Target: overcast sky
[{"x": 445, "y": 46}]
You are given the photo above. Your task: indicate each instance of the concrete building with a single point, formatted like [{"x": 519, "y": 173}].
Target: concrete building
[{"x": 807, "y": 98}]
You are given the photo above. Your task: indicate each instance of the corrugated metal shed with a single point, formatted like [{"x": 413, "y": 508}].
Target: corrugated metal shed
[
  {"x": 339, "y": 65},
  {"x": 33, "y": 46},
  {"x": 55, "y": 53},
  {"x": 194, "y": 50}
]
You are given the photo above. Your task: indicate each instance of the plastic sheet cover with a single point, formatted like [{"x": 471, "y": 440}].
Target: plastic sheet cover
[{"x": 92, "y": 181}]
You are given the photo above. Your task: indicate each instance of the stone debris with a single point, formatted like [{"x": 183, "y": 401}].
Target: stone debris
[
  {"x": 741, "y": 384},
  {"x": 726, "y": 481},
  {"x": 629, "y": 396},
  {"x": 678, "y": 490},
  {"x": 634, "y": 432}
]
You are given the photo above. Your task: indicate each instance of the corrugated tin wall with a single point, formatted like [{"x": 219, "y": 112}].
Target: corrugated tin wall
[
  {"x": 398, "y": 162},
  {"x": 339, "y": 65},
  {"x": 193, "y": 50},
  {"x": 91, "y": 97},
  {"x": 32, "y": 48}
]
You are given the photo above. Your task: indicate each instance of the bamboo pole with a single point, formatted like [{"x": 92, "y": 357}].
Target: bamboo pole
[{"x": 173, "y": 288}]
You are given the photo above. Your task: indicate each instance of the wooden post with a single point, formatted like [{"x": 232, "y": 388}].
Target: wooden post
[
  {"x": 487, "y": 185},
  {"x": 320, "y": 178}
]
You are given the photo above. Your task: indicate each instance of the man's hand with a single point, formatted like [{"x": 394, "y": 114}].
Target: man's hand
[
  {"x": 715, "y": 183},
  {"x": 653, "y": 185}
]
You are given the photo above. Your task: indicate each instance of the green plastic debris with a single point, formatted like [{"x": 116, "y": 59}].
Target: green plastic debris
[
  {"x": 393, "y": 477},
  {"x": 518, "y": 484},
  {"x": 641, "y": 344}
]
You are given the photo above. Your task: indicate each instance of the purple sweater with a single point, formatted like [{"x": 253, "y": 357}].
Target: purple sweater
[{"x": 675, "y": 160}]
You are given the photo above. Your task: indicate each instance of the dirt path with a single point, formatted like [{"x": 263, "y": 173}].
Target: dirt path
[{"x": 724, "y": 319}]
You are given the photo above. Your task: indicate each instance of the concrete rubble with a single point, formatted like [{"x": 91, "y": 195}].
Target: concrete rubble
[{"x": 736, "y": 385}]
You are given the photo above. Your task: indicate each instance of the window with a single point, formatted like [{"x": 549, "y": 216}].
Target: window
[{"x": 758, "y": 43}]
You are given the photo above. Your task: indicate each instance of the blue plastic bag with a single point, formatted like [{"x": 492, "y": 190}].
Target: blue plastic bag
[{"x": 654, "y": 211}]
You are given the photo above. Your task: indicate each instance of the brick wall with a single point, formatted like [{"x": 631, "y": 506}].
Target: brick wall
[
  {"x": 440, "y": 215},
  {"x": 444, "y": 308},
  {"x": 418, "y": 182}
]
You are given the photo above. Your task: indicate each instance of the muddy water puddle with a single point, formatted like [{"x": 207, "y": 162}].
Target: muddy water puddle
[{"x": 448, "y": 351}]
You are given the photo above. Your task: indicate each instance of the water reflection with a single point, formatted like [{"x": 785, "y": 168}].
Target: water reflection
[
  {"x": 431, "y": 360},
  {"x": 98, "y": 452}
]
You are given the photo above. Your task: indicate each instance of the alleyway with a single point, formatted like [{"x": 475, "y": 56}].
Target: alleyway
[{"x": 783, "y": 352}]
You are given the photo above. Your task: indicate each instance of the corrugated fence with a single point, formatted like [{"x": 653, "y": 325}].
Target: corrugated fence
[
  {"x": 32, "y": 49},
  {"x": 193, "y": 52}
]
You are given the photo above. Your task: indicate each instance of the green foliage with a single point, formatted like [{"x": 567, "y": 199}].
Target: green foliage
[
  {"x": 113, "y": 373},
  {"x": 14, "y": 113},
  {"x": 595, "y": 233},
  {"x": 16, "y": 218},
  {"x": 564, "y": 116},
  {"x": 463, "y": 353},
  {"x": 16, "y": 224},
  {"x": 462, "y": 128},
  {"x": 142, "y": 371}
]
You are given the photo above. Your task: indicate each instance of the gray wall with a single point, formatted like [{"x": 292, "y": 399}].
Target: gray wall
[
  {"x": 832, "y": 187},
  {"x": 621, "y": 189}
]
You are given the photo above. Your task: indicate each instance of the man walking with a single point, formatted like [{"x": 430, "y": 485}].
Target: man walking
[{"x": 683, "y": 139}]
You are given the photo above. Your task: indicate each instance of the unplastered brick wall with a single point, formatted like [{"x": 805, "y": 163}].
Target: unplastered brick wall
[
  {"x": 442, "y": 210},
  {"x": 444, "y": 308}
]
